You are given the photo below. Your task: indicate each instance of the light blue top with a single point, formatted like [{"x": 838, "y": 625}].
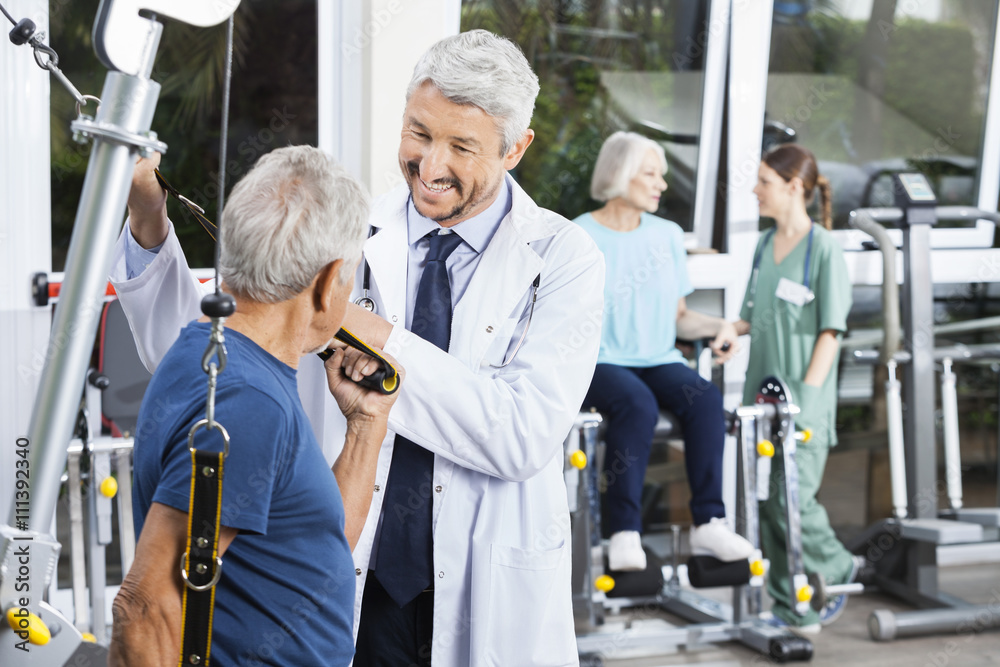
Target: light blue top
[
  {"x": 646, "y": 278},
  {"x": 137, "y": 258}
]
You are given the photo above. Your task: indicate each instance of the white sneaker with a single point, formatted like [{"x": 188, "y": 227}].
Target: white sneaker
[
  {"x": 716, "y": 539},
  {"x": 625, "y": 552}
]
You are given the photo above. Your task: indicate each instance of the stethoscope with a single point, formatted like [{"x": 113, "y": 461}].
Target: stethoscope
[
  {"x": 366, "y": 302},
  {"x": 756, "y": 266}
]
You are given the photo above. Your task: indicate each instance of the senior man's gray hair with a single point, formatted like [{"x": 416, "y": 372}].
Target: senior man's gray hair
[
  {"x": 619, "y": 161},
  {"x": 485, "y": 70},
  {"x": 295, "y": 212}
]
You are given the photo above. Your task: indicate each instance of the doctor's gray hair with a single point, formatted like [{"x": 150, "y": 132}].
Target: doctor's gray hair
[
  {"x": 484, "y": 70},
  {"x": 295, "y": 212},
  {"x": 619, "y": 161}
]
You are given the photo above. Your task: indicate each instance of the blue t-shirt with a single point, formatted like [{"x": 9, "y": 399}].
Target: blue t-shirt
[
  {"x": 646, "y": 278},
  {"x": 286, "y": 595}
]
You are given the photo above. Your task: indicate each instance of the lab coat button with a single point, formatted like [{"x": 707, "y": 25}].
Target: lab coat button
[
  {"x": 489, "y": 329},
  {"x": 441, "y": 575},
  {"x": 357, "y": 571},
  {"x": 393, "y": 318},
  {"x": 438, "y": 488},
  {"x": 378, "y": 488}
]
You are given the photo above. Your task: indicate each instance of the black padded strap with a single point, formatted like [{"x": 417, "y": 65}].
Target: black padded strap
[{"x": 201, "y": 560}]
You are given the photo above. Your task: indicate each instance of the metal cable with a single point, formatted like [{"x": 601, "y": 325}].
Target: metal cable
[
  {"x": 7, "y": 14},
  {"x": 223, "y": 141}
]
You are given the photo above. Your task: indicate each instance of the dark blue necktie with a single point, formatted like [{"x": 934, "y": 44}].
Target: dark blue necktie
[{"x": 405, "y": 549}]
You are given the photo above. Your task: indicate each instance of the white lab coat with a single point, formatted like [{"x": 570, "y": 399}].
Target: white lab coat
[{"x": 502, "y": 558}]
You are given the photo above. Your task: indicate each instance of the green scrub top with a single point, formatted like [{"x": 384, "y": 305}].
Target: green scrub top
[{"x": 782, "y": 334}]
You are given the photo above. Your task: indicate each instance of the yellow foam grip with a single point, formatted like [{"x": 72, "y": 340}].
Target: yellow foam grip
[
  {"x": 804, "y": 594},
  {"x": 604, "y": 583},
  {"x": 757, "y": 568},
  {"x": 765, "y": 448},
  {"x": 109, "y": 487},
  {"x": 578, "y": 459},
  {"x": 21, "y": 620}
]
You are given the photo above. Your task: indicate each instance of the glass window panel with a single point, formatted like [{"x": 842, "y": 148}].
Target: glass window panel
[
  {"x": 604, "y": 66},
  {"x": 878, "y": 87},
  {"x": 273, "y": 104}
]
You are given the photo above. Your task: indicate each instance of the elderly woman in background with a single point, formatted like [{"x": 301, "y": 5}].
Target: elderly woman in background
[{"x": 639, "y": 369}]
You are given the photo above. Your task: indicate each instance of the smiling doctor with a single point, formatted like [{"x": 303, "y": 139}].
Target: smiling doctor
[{"x": 493, "y": 306}]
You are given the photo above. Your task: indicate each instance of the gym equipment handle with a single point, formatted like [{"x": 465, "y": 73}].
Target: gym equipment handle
[{"x": 384, "y": 380}]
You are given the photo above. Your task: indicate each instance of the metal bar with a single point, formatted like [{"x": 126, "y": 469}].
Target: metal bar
[
  {"x": 126, "y": 528},
  {"x": 892, "y": 214},
  {"x": 710, "y": 129},
  {"x": 988, "y": 187},
  {"x": 890, "y": 288},
  {"x": 918, "y": 390},
  {"x": 96, "y": 562},
  {"x": 762, "y": 431},
  {"x": 982, "y": 324},
  {"x": 129, "y": 102},
  {"x": 793, "y": 519},
  {"x": 897, "y": 456},
  {"x": 77, "y": 551},
  {"x": 952, "y": 454},
  {"x": 954, "y": 353},
  {"x": 885, "y": 625}
]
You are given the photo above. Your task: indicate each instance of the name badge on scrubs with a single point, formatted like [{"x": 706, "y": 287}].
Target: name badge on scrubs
[{"x": 793, "y": 292}]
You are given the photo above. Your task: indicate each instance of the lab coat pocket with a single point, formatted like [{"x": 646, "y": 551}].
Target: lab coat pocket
[
  {"x": 500, "y": 344},
  {"x": 530, "y": 610}
]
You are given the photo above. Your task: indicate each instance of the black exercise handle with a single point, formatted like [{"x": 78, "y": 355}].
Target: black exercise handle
[{"x": 385, "y": 380}]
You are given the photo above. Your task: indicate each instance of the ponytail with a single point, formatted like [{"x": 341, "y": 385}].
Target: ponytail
[{"x": 825, "y": 201}]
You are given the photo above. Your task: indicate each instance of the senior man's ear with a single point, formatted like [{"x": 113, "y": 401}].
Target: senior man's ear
[
  {"x": 516, "y": 151},
  {"x": 327, "y": 286}
]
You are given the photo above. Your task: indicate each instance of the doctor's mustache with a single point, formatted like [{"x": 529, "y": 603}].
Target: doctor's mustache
[{"x": 413, "y": 170}]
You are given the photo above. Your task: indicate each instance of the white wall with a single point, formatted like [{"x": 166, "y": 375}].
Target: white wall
[
  {"x": 25, "y": 236},
  {"x": 402, "y": 31},
  {"x": 367, "y": 50}
]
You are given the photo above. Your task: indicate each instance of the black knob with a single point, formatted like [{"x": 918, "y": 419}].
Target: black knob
[
  {"x": 99, "y": 380},
  {"x": 22, "y": 32},
  {"x": 218, "y": 304}
]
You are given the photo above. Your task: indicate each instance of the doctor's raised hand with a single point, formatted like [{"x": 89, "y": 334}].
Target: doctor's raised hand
[{"x": 147, "y": 204}]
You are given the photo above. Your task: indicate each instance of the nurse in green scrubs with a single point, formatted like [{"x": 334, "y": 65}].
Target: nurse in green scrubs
[{"x": 795, "y": 311}]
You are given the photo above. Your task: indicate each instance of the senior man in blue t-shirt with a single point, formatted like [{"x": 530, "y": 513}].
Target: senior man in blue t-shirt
[{"x": 286, "y": 594}]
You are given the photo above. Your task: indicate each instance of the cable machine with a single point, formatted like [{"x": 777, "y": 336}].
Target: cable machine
[
  {"x": 907, "y": 565},
  {"x": 126, "y": 43}
]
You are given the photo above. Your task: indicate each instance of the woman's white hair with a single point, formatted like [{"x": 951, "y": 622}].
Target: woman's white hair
[
  {"x": 295, "y": 212},
  {"x": 485, "y": 70},
  {"x": 619, "y": 161}
]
